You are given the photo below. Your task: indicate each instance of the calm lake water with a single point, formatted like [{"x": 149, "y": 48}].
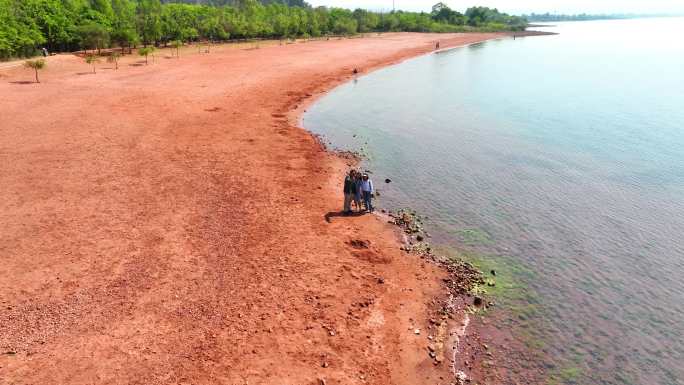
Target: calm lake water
[{"x": 563, "y": 154}]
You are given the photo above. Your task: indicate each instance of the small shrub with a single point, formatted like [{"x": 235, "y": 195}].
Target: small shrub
[{"x": 36, "y": 65}]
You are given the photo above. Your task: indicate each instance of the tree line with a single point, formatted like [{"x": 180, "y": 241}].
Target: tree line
[{"x": 69, "y": 25}]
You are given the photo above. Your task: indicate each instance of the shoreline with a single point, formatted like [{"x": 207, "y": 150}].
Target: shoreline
[
  {"x": 455, "y": 332},
  {"x": 172, "y": 241},
  {"x": 464, "y": 336}
]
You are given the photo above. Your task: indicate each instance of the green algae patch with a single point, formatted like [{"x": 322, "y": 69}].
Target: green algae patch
[
  {"x": 503, "y": 278},
  {"x": 567, "y": 376},
  {"x": 504, "y": 284},
  {"x": 473, "y": 237}
]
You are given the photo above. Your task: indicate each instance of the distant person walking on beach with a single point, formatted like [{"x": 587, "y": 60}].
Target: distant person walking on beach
[
  {"x": 367, "y": 192},
  {"x": 45, "y": 51},
  {"x": 437, "y": 46},
  {"x": 349, "y": 185}
]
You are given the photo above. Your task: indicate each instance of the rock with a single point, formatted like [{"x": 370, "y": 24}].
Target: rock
[
  {"x": 381, "y": 280},
  {"x": 324, "y": 364},
  {"x": 477, "y": 301},
  {"x": 356, "y": 71},
  {"x": 461, "y": 378},
  {"x": 493, "y": 272},
  {"x": 388, "y": 180},
  {"x": 332, "y": 333},
  {"x": 417, "y": 331},
  {"x": 321, "y": 382},
  {"x": 419, "y": 238}
]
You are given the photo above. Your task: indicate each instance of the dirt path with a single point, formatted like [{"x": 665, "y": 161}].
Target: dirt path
[{"x": 166, "y": 224}]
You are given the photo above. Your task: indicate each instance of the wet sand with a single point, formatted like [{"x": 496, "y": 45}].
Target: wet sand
[{"x": 171, "y": 223}]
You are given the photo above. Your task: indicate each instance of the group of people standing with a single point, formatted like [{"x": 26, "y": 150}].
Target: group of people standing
[{"x": 358, "y": 188}]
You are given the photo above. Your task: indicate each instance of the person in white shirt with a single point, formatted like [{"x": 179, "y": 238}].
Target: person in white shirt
[{"x": 367, "y": 192}]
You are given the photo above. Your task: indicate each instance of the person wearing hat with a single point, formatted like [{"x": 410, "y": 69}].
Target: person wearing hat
[{"x": 367, "y": 192}]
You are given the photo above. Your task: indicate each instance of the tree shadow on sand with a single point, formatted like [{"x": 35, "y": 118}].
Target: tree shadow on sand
[
  {"x": 334, "y": 214},
  {"x": 23, "y": 82}
]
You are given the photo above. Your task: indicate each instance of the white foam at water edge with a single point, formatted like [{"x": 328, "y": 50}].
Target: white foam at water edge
[{"x": 459, "y": 333}]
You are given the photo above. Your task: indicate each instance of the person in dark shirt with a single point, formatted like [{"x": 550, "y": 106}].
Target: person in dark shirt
[
  {"x": 357, "y": 191},
  {"x": 349, "y": 191}
]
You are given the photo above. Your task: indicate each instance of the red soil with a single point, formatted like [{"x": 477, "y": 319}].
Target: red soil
[{"x": 166, "y": 224}]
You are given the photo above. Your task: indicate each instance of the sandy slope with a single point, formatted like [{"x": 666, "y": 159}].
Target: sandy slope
[{"x": 166, "y": 224}]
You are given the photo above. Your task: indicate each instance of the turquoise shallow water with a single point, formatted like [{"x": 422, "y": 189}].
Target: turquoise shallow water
[{"x": 566, "y": 154}]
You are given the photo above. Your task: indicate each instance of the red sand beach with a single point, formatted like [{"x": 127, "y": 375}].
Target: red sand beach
[{"x": 167, "y": 224}]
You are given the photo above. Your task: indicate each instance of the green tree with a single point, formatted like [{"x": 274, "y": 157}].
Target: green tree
[
  {"x": 366, "y": 21},
  {"x": 104, "y": 8},
  {"x": 123, "y": 23},
  {"x": 51, "y": 17},
  {"x": 92, "y": 60},
  {"x": 149, "y": 21},
  {"x": 93, "y": 36},
  {"x": 177, "y": 44},
  {"x": 20, "y": 35},
  {"x": 212, "y": 27},
  {"x": 146, "y": 51},
  {"x": 36, "y": 65},
  {"x": 114, "y": 58},
  {"x": 342, "y": 21}
]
